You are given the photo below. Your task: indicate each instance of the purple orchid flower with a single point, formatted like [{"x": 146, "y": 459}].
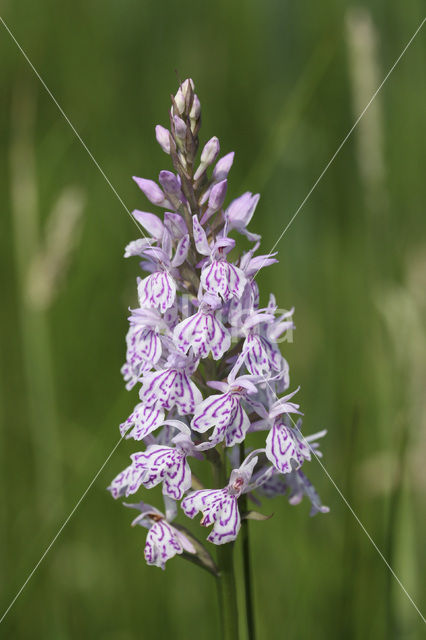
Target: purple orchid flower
[
  {"x": 296, "y": 485},
  {"x": 163, "y": 540},
  {"x": 249, "y": 265},
  {"x": 222, "y": 277},
  {"x": 130, "y": 377},
  {"x": 137, "y": 247},
  {"x": 286, "y": 448},
  {"x": 143, "y": 341},
  {"x": 219, "y": 276},
  {"x": 220, "y": 506},
  {"x": 240, "y": 212},
  {"x": 158, "y": 290},
  {"x": 144, "y": 421},
  {"x": 160, "y": 464},
  {"x": 258, "y": 354},
  {"x": 223, "y": 413},
  {"x": 127, "y": 481},
  {"x": 203, "y": 332},
  {"x": 172, "y": 386}
]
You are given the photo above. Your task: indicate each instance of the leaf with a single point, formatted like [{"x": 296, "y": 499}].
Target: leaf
[
  {"x": 202, "y": 557},
  {"x": 196, "y": 484},
  {"x": 255, "y": 515}
]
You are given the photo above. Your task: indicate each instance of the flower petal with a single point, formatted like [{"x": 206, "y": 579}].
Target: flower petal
[
  {"x": 181, "y": 251},
  {"x": 215, "y": 411},
  {"x": 208, "y": 501},
  {"x": 127, "y": 482},
  {"x": 200, "y": 237},
  {"x": 240, "y": 211},
  {"x": 282, "y": 405},
  {"x": 163, "y": 138},
  {"x": 169, "y": 388},
  {"x": 166, "y": 465},
  {"x": 144, "y": 420},
  {"x": 162, "y": 543},
  {"x": 153, "y": 192},
  {"x": 258, "y": 355},
  {"x": 143, "y": 348},
  {"x": 223, "y": 167},
  {"x": 286, "y": 449},
  {"x": 224, "y": 279},
  {"x": 238, "y": 426},
  {"x": 175, "y": 224},
  {"x": 157, "y": 290},
  {"x": 137, "y": 247},
  {"x": 204, "y": 333},
  {"x": 228, "y": 522},
  {"x": 309, "y": 491},
  {"x": 150, "y": 223}
]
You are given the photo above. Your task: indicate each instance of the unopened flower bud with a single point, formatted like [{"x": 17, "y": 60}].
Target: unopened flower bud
[
  {"x": 169, "y": 182},
  {"x": 180, "y": 128},
  {"x": 187, "y": 85},
  {"x": 223, "y": 167},
  {"x": 217, "y": 195},
  {"x": 180, "y": 97},
  {"x": 208, "y": 156},
  {"x": 163, "y": 138},
  {"x": 216, "y": 199},
  {"x": 210, "y": 151},
  {"x": 180, "y": 101},
  {"x": 194, "y": 114},
  {"x": 152, "y": 191}
]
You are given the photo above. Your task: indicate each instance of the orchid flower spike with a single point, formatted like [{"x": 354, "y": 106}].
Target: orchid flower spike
[{"x": 203, "y": 354}]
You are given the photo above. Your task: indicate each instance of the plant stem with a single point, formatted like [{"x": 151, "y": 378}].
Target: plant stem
[
  {"x": 227, "y": 591},
  {"x": 248, "y": 587},
  {"x": 220, "y": 604}
]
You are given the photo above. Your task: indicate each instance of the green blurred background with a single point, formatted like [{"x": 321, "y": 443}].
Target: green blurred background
[{"x": 281, "y": 83}]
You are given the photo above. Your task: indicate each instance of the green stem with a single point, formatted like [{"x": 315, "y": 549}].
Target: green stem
[
  {"x": 220, "y": 604},
  {"x": 248, "y": 587},
  {"x": 227, "y": 591}
]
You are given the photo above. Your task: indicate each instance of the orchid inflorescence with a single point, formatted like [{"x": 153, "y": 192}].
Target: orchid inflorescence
[{"x": 199, "y": 326}]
